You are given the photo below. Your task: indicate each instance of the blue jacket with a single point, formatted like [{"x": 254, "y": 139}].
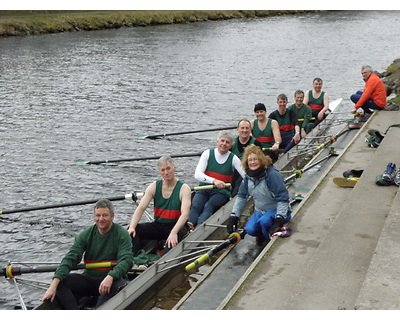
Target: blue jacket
[{"x": 269, "y": 193}]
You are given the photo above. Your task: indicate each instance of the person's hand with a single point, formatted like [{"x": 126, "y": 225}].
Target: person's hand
[
  {"x": 52, "y": 290},
  {"x": 49, "y": 294},
  {"x": 232, "y": 224},
  {"x": 105, "y": 285},
  {"x": 172, "y": 240},
  {"x": 219, "y": 184},
  {"x": 132, "y": 232},
  {"x": 276, "y": 225}
]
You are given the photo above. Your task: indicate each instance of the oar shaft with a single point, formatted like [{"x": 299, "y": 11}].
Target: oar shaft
[
  {"x": 11, "y": 271},
  {"x": 234, "y": 238},
  {"x": 144, "y": 158},
  {"x": 157, "y": 136},
  {"x": 131, "y": 196}
]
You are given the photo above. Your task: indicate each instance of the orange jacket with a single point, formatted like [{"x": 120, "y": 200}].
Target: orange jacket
[{"x": 374, "y": 89}]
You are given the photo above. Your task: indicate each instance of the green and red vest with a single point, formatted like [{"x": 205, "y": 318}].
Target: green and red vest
[
  {"x": 286, "y": 126},
  {"x": 167, "y": 210},
  {"x": 223, "y": 171},
  {"x": 316, "y": 104},
  {"x": 266, "y": 137}
]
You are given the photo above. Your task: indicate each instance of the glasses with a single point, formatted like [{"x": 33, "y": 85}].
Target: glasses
[{"x": 253, "y": 160}]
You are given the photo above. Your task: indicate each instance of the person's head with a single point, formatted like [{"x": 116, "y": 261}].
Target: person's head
[
  {"x": 224, "y": 142},
  {"x": 254, "y": 158},
  {"x": 260, "y": 111},
  {"x": 103, "y": 215},
  {"x": 244, "y": 128},
  {"x": 299, "y": 98},
  {"x": 282, "y": 102},
  {"x": 317, "y": 84},
  {"x": 166, "y": 167},
  {"x": 366, "y": 71}
]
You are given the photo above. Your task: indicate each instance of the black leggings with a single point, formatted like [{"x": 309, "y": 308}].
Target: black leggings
[
  {"x": 77, "y": 285},
  {"x": 154, "y": 231}
]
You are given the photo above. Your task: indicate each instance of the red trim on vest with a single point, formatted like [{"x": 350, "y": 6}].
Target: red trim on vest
[
  {"x": 219, "y": 176},
  {"x": 167, "y": 214},
  {"x": 316, "y": 107},
  {"x": 265, "y": 139},
  {"x": 287, "y": 127}
]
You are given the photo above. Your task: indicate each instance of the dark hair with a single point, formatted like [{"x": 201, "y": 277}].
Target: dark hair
[
  {"x": 104, "y": 203},
  {"x": 260, "y": 106},
  {"x": 299, "y": 92}
]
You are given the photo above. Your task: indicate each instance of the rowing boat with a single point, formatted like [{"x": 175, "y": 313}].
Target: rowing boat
[{"x": 142, "y": 287}]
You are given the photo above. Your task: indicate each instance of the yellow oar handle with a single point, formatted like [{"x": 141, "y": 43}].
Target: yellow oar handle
[{"x": 209, "y": 186}]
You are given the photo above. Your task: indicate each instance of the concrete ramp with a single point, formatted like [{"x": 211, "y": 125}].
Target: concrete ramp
[{"x": 344, "y": 252}]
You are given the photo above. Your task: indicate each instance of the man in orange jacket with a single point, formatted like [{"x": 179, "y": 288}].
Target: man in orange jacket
[{"x": 374, "y": 95}]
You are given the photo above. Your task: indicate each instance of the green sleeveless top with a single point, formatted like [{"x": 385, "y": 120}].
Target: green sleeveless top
[
  {"x": 286, "y": 127},
  {"x": 167, "y": 210},
  {"x": 223, "y": 171},
  {"x": 265, "y": 136},
  {"x": 316, "y": 104}
]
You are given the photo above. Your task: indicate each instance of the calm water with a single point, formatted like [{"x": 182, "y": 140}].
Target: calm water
[{"x": 85, "y": 95}]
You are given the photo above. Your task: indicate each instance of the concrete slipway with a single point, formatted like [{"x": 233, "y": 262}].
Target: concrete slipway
[{"x": 344, "y": 252}]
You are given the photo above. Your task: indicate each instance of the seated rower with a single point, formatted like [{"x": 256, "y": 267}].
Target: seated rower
[
  {"x": 216, "y": 168},
  {"x": 287, "y": 120},
  {"x": 104, "y": 241},
  {"x": 266, "y": 131},
  {"x": 243, "y": 139},
  {"x": 172, "y": 199},
  {"x": 303, "y": 112},
  {"x": 318, "y": 100}
]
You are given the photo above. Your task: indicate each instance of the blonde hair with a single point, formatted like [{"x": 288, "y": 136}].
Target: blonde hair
[{"x": 265, "y": 161}]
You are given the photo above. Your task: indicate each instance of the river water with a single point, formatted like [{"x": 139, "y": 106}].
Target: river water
[{"x": 89, "y": 95}]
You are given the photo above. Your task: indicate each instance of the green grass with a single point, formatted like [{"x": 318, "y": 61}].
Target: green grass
[{"x": 28, "y": 22}]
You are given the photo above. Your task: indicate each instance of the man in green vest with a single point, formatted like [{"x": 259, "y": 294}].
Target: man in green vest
[
  {"x": 215, "y": 167},
  {"x": 172, "y": 199},
  {"x": 287, "y": 121},
  {"x": 318, "y": 101}
]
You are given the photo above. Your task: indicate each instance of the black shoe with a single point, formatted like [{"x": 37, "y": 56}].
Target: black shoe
[
  {"x": 261, "y": 241},
  {"x": 353, "y": 173}
]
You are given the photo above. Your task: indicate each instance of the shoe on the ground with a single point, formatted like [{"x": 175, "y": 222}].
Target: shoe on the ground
[
  {"x": 390, "y": 172},
  {"x": 397, "y": 177},
  {"x": 260, "y": 241},
  {"x": 353, "y": 173}
]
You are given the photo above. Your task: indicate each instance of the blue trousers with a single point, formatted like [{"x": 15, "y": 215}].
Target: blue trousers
[
  {"x": 259, "y": 224},
  {"x": 370, "y": 104},
  {"x": 204, "y": 204}
]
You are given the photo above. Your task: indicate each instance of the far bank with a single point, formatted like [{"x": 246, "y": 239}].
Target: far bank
[{"x": 28, "y": 22}]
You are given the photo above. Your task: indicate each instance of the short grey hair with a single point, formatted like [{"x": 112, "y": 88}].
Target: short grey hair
[
  {"x": 104, "y": 203},
  {"x": 166, "y": 159},
  {"x": 225, "y": 134},
  {"x": 367, "y": 68}
]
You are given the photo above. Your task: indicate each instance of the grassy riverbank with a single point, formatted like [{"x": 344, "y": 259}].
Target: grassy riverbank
[{"x": 23, "y": 23}]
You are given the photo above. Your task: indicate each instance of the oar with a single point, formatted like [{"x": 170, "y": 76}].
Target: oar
[
  {"x": 159, "y": 136},
  {"x": 71, "y": 162},
  {"x": 234, "y": 239},
  {"x": 298, "y": 173},
  {"x": 11, "y": 271},
  {"x": 129, "y": 196}
]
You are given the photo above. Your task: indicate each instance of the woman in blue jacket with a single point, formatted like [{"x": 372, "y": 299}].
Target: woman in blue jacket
[{"x": 266, "y": 185}]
